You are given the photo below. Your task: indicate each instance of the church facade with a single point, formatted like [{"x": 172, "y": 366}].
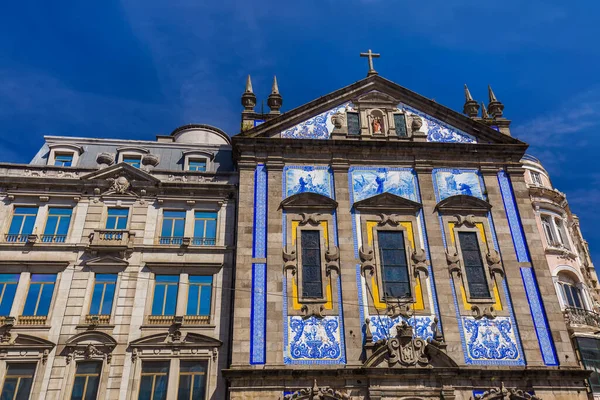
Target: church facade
[{"x": 392, "y": 252}]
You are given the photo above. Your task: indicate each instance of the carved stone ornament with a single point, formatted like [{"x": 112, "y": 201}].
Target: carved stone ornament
[
  {"x": 453, "y": 260},
  {"x": 367, "y": 257},
  {"x": 317, "y": 393},
  {"x": 480, "y": 311},
  {"x": 403, "y": 350},
  {"x": 310, "y": 218},
  {"x": 398, "y": 310},
  {"x": 468, "y": 220},
  {"x": 504, "y": 393},
  {"x": 338, "y": 119},
  {"x": 119, "y": 184},
  {"x": 332, "y": 259},
  {"x": 105, "y": 158},
  {"x": 312, "y": 310},
  {"x": 391, "y": 219},
  {"x": 87, "y": 352},
  {"x": 289, "y": 259},
  {"x": 7, "y": 325},
  {"x": 419, "y": 261},
  {"x": 150, "y": 159},
  {"x": 494, "y": 262},
  {"x": 416, "y": 123}
]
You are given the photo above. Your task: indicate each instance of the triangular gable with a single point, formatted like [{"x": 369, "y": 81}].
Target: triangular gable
[
  {"x": 161, "y": 339},
  {"x": 28, "y": 341},
  {"x": 121, "y": 169},
  {"x": 308, "y": 200},
  {"x": 313, "y": 120},
  {"x": 106, "y": 261},
  {"x": 388, "y": 201}
]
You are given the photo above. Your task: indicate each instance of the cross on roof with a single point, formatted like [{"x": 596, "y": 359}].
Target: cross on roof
[{"x": 371, "y": 56}]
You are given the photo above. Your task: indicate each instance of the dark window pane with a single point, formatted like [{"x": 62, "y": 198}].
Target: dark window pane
[
  {"x": 400, "y": 123},
  {"x": 312, "y": 280},
  {"x": 353, "y": 123},
  {"x": 18, "y": 381},
  {"x": 476, "y": 279},
  {"x": 392, "y": 254}
]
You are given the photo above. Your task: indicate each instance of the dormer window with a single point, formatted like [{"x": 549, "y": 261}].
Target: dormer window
[
  {"x": 133, "y": 160},
  {"x": 197, "y": 164},
  {"x": 63, "y": 159},
  {"x": 198, "y": 160},
  {"x": 536, "y": 178},
  {"x": 64, "y": 155}
]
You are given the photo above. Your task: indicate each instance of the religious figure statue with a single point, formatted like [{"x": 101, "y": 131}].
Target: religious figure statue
[{"x": 376, "y": 125}]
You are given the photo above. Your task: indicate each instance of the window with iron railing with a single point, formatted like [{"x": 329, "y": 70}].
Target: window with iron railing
[
  {"x": 205, "y": 228},
  {"x": 22, "y": 224},
  {"x": 173, "y": 227},
  {"x": 57, "y": 225}
]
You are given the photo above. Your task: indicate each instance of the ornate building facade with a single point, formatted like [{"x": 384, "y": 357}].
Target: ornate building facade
[
  {"x": 574, "y": 276},
  {"x": 392, "y": 253},
  {"x": 116, "y": 260}
]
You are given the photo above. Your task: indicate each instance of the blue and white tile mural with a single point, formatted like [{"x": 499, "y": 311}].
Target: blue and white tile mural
[
  {"x": 301, "y": 179},
  {"x": 491, "y": 340},
  {"x": 452, "y": 182},
  {"x": 383, "y": 327},
  {"x": 438, "y": 131},
  {"x": 317, "y": 127},
  {"x": 314, "y": 339},
  {"x": 367, "y": 182}
]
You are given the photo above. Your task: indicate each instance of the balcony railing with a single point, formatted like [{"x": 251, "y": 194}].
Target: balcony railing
[
  {"x": 203, "y": 241},
  {"x": 580, "y": 316},
  {"x": 32, "y": 319},
  {"x": 54, "y": 238},
  {"x": 111, "y": 238},
  {"x": 196, "y": 319},
  {"x": 170, "y": 319},
  {"x": 160, "y": 319},
  {"x": 100, "y": 319},
  {"x": 177, "y": 240},
  {"x": 20, "y": 238}
]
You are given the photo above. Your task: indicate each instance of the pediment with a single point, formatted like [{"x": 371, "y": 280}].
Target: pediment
[
  {"x": 308, "y": 200},
  {"x": 107, "y": 261},
  {"x": 95, "y": 338},
  {"x": 463, "y": 204},
  {"x": 313, "y": 120},
  {"x": 165, "y": 339},
  {"x": 132, "y": 174},
  {"x": 388, "y": 202},
  {"x": 28, "y": 341}
]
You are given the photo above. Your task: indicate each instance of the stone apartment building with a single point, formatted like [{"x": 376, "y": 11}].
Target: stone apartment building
[
  {"x": 572, "y": 270},
  {"x": 115, "y": 268},
  {"x": 392, "y": 253}
]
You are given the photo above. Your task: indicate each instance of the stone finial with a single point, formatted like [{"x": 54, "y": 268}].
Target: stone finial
[
  {"x": 471, "y": 108},
  {"x": 274, "y": 101},
  {"x": 484, "y": 113},
  {"x": 495, "y": 107},
  {"x": 248, "y": 98}
]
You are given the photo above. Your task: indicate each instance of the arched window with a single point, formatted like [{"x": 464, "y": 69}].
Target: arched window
[{"x": 570, "y": 291}]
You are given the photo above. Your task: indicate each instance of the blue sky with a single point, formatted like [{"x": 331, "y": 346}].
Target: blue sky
[{"x": 134, "y": 69}]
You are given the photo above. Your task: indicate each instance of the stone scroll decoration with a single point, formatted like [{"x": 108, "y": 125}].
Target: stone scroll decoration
[
  {"x": 504, "y": 393},
  {"x": 405, "y": 350},
  {"x": 317, "y": 393}
]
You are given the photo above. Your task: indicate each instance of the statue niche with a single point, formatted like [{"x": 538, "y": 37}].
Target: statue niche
[{"x": 377, "y": 122}]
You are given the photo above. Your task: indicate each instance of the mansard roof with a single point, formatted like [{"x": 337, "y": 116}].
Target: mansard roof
[{"x": 388, "y": 89}]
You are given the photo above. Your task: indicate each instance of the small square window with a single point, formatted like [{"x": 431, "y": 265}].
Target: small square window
[
  {"x": 63, "y": 159},
  {"x": 134, "y": 161},
  {"x": 536, "y": 178},
  {"x": 197, "y": 165}
]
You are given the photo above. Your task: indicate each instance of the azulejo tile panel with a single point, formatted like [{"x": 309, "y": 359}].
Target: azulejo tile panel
[
  {"x": 491, "y": 339},
  {"x": 383, "y": 327},
  {"x": 514, "y": 220},
  {"x": 368, "y": 181},
  {"x": 259, "y": 239},
  {"x": 314, "y": 339},
  {"x": 452, "y": 182},
  {"x": 301, "y": 179},
  {"x": 317, "y": 127},
  {"x": 538, "y": 314},
  {"x": 258, "y": 324},
  {"x": 438, "y": 131}
]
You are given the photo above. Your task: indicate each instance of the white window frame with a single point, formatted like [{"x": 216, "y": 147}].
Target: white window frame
[
  {"x": 59, "y": 148},
  {"x": 198, "y": 155}
]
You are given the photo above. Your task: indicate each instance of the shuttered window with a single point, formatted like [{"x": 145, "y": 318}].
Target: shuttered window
[
  {"x": 312, "y": 281},
  {"x": 476, "y": 279}
]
